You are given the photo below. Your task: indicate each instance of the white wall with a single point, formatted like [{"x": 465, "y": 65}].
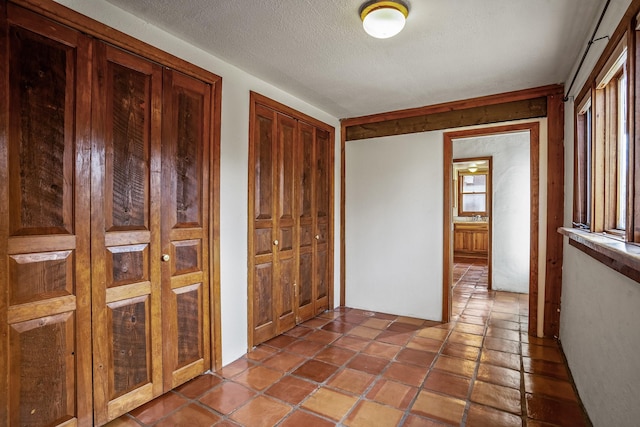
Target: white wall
[
  {"x": 511, "y": 204},
  {"x": 600, "y": 335},
  {"x": 236, "y": 85},
  {"x": 600, "y": 312},
  {"x": 394, "y": 220},
  {"x": 394, "y": 224}
]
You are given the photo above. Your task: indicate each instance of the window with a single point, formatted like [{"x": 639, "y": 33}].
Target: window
[
  {"x": 606, "y": 196},
  {"x": 472, "y": 193},
  {"x": 622, "y": 151},
  {"x": 602, "y": 152},
  {"x": 582, "y": 166}
]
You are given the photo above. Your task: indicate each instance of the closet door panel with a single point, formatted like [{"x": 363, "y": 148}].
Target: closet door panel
[
  {"x": 305, "y": 200},
  {"x": 322, "y": 187},
  {"x": 185, "y": 231},
  {"x": 44, "y": 236},
  {"x": 127, "y": 324},
  {"x": 262, "y": 207},
  {"x": 289, "y": 226},
  {"x": 285, "y": 268},
  {"x": 44, "y": 342}
]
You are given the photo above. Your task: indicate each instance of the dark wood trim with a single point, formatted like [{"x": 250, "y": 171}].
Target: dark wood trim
[
  {"x": 483, "y": 101},
  {"x": 615, "y": 254},
  {"x": 214, "y": 226},
  {"x": 76, "y": 20},
  {"x": 613, "y": 263},
  {"x": 534, "y": 138},
  {"x": 332, "y": 207},
  {"x": 555, "y": 215},
  {"x": 343, "y": 215},
  {"x": 4, "y": 221},
  {"x": 534, "y": 260},
  {"x": 633, "y": 224},
  {"x": 479, "y": 115},
  {"x": 447, "y": 227},
  {"x": 251, "y": 177}
]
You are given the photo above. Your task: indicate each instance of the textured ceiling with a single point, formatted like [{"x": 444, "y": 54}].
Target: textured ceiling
[{"x": 448, "y": 50}]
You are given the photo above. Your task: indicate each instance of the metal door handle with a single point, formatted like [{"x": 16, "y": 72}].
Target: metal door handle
[
  {"x": 317, "y": 237},
  {"x": 165, "y": 258},
  {"x": 275, "y": 243}
]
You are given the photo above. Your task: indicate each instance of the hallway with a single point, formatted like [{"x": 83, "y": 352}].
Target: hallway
[{"x": 358, "y": 368}]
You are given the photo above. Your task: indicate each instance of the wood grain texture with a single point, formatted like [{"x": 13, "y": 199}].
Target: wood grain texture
[
  {"x": 44, "y": 157},
  {"x": 290, "y": 218},
  {"x": 633, "y": 218},
  {"x": 499, "y": 98},
  {"x": 4, "y": 209},
  {"x": 88, "y": 26},
  {"x": 49, "y": 182},
  {"x": 43, "y": 397},
  {"x": 184, "y": 218},
  {"x": 125, "y": 223},
  {"x": 215, "y": 329},
  {"x": 555, "y": 215},
  {"x": 479, "y": 115}
]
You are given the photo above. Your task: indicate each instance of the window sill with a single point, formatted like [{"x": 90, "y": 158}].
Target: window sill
[{"x": 616, "y": 254}]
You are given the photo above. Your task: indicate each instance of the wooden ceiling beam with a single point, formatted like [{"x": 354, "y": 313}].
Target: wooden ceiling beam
[{"x": 430, "y": 121}]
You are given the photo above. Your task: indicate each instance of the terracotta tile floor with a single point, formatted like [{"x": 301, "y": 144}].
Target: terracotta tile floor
[{"x": 357, "y": 368}]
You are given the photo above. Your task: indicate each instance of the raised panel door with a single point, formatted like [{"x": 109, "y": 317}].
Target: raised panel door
[
  {"x": 273, "y": 267},
  {"x": 126, "y": 288},
  {"x": 263, "y": 219},
  {"x": 45, "y": 374},
  {"x": 285, "y": 251},
  {"x": 185, "y": 231},
  {"x": 306, "y": 221},
  {"x": 322, "y": 192}
]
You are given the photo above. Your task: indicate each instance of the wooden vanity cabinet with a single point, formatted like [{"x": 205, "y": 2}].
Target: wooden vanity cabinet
[{"x": 471, "y": 239}]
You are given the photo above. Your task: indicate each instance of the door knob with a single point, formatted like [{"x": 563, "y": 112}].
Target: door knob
[
  {"x": 165, "y": 258},
  {"x": 275, "y": 243},
  {"x": 317, "y": 237}
]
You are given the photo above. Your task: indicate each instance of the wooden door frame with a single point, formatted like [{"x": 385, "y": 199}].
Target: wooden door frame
[
  {"x": 539, "y": 102},
  {"x": 489, "y": 210},
  {"x": 534, "y": 185}
]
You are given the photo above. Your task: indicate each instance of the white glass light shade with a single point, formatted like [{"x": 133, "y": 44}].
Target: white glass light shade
[{"x": 384, "y": 21}]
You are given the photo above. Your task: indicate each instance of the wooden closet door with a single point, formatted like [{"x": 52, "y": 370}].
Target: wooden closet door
[
  {"x": 285, "y": 252},
  {"x": 272, "y": 245},
  {"x": 263, "y": 220},
  {"x": 322, "y": 212},
  {"x": 185, "y": 231},
  {"x": 313, "y": 198},
  {"x": 45, "y": 83},
  {"x": 127, "y": 322},
  {"x": 306, "y": 222}
]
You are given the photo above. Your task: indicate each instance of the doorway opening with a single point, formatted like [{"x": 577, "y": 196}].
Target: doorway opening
[
  {"x": 471, "y": 211},
  {"x": 513, "y": 237}
]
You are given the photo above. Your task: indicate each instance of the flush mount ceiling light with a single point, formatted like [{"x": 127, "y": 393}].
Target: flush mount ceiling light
[
  {"x": 383, "y": 19},
  {"x": 473, "y": 168}
]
